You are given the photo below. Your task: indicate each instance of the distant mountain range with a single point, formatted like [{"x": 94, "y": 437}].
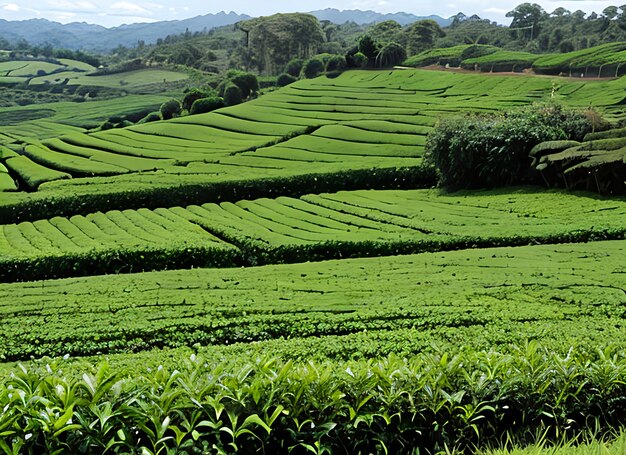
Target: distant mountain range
[
  {"x": 80, "y": 35},
  {"x": 369, "y": 17}
]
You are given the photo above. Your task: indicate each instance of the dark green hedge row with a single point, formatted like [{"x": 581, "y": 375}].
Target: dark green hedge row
[
  {"x": 251, "y": 253},
  {"x": 64, "y": 204},
  {"x": 47, "y": 267},
  {"x": 432, "y": 403}
]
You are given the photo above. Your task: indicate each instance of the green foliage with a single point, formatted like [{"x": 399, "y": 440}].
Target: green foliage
[
  {"x": 312, "y": 68},
  {"x": 390, "y": 54},
  {"x": 596, "y": 164},
  {"x": 368, "y": 47},
  {"x": 336, "y": 63},
  {"x": 477, "y": 151},
  {"x": 247, "y": 82},
  {"x": 500, "y": 61},
  {"x": 170, "y": 109},
  {"x": 151, "y": 117},
  {"x": 191, "y": 96},
  {"x": 294, "y": 67},
  {"x": 275, "y": 40},
  {"x": 360, "y": 60},
  {"x": 204, "y": 105},
  {"x": 429, "y": 402},
  {"x": 232, "y": 95},
  {"x": 285, "y": 79}
]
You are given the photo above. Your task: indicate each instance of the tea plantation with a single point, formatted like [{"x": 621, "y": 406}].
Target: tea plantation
[{"x": 282, "y": 276}]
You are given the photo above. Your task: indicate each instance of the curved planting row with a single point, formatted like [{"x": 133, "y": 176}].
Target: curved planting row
[
  {"x": 360, "y": 121},
  {"x": 105, "y": 243},
  {"x": 335, "y": 309},
  {"x": 313, "y": 227}
]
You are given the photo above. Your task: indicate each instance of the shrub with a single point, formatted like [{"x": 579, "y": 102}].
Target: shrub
[
  {"x": 191, "y": 96},
  {"x": 151, "y": 117},
  {"x": 312, "y": 68},
  {"x": 232, "y": 95},
  {"x": 247, "y": 82},
  {"x": 206, "y": 105},
  {"x": 170, "y": 109},
  {"x": 285, "y": 79},
  {"x": 359, "y": 60},
  {"x": 294, "y": 67},
  {"x": 336, "y": 63},
  {"x": 107, "y": 126},
  {"x": 492, "y": 150}
]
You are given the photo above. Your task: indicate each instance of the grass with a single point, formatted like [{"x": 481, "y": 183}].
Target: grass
[{"x": 614, "y": 446}]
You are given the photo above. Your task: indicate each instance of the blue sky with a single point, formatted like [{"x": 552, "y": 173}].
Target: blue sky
[{"x": 112, "y": 13}]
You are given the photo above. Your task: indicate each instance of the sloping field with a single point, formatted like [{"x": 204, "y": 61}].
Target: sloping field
[
  {"x": 312, "y": 227},
  {"x": 129, "y": 79},
  {"x": 63, "y": 118},
  {"x": 321, "y": 130},
  {"x": 360, "y": 307}
]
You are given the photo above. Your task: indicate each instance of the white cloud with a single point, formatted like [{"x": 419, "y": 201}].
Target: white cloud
[
  {"x": 496, "y": 10},
  {"x": 69, "y": 5},
  {"x": 128, "y": 7},
  {"x": 11, "y": 7}
]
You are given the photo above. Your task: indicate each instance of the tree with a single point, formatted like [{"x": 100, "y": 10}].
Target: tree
[
  {"x": 386, "y": 31},
  {"x": 610, "y": 12},
  {"x": 420, "y": 35},
  {"x": 247, "y": 82},
  {"x": 368, "y": 47},
  {"x": 277, "y": 39},
  {"x": 359, "y": 60},
  {"x": 191, "y": 96},
  {"x": 526, "y": 18},
  {"x": 391, "y": 54},
  {"x": 336, "y": 63}
]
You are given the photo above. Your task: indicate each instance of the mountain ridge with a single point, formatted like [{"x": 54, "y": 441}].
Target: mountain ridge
[{"x": 93, "y": 37}]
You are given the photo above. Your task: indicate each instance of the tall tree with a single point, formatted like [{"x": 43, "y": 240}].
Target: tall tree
[
  {"x": 420, "y": 35},
  {"x": 277, "y": 39},
  {"x": 526, "y": 19}
]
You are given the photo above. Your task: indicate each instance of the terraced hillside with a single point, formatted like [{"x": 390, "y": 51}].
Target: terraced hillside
[
  {"x": 322, "y": 134},
  {"x": 21, "y": 124},
  {"x": 312, "y": 227},
  {"x": 275, "y": 196}
]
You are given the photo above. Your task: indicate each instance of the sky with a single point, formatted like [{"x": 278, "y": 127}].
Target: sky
[{"x": 112, "y": 13}]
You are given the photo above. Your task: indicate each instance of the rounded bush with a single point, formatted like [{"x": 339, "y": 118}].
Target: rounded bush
[
  {"x": 336, "y": 63},
  {"x": 232, "y": 95},
  {"x": 191, "y": 96},
  {"x": 294, "y": 67},
  {"x": 151, "y": 117},
  {"x": 170, "y": 108},
  {"x": 359, "y": 60},
  {"x": 312, "y": 68},
  {"x": 204, "y": 105},
  {"x": 285, "y": 79}
]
